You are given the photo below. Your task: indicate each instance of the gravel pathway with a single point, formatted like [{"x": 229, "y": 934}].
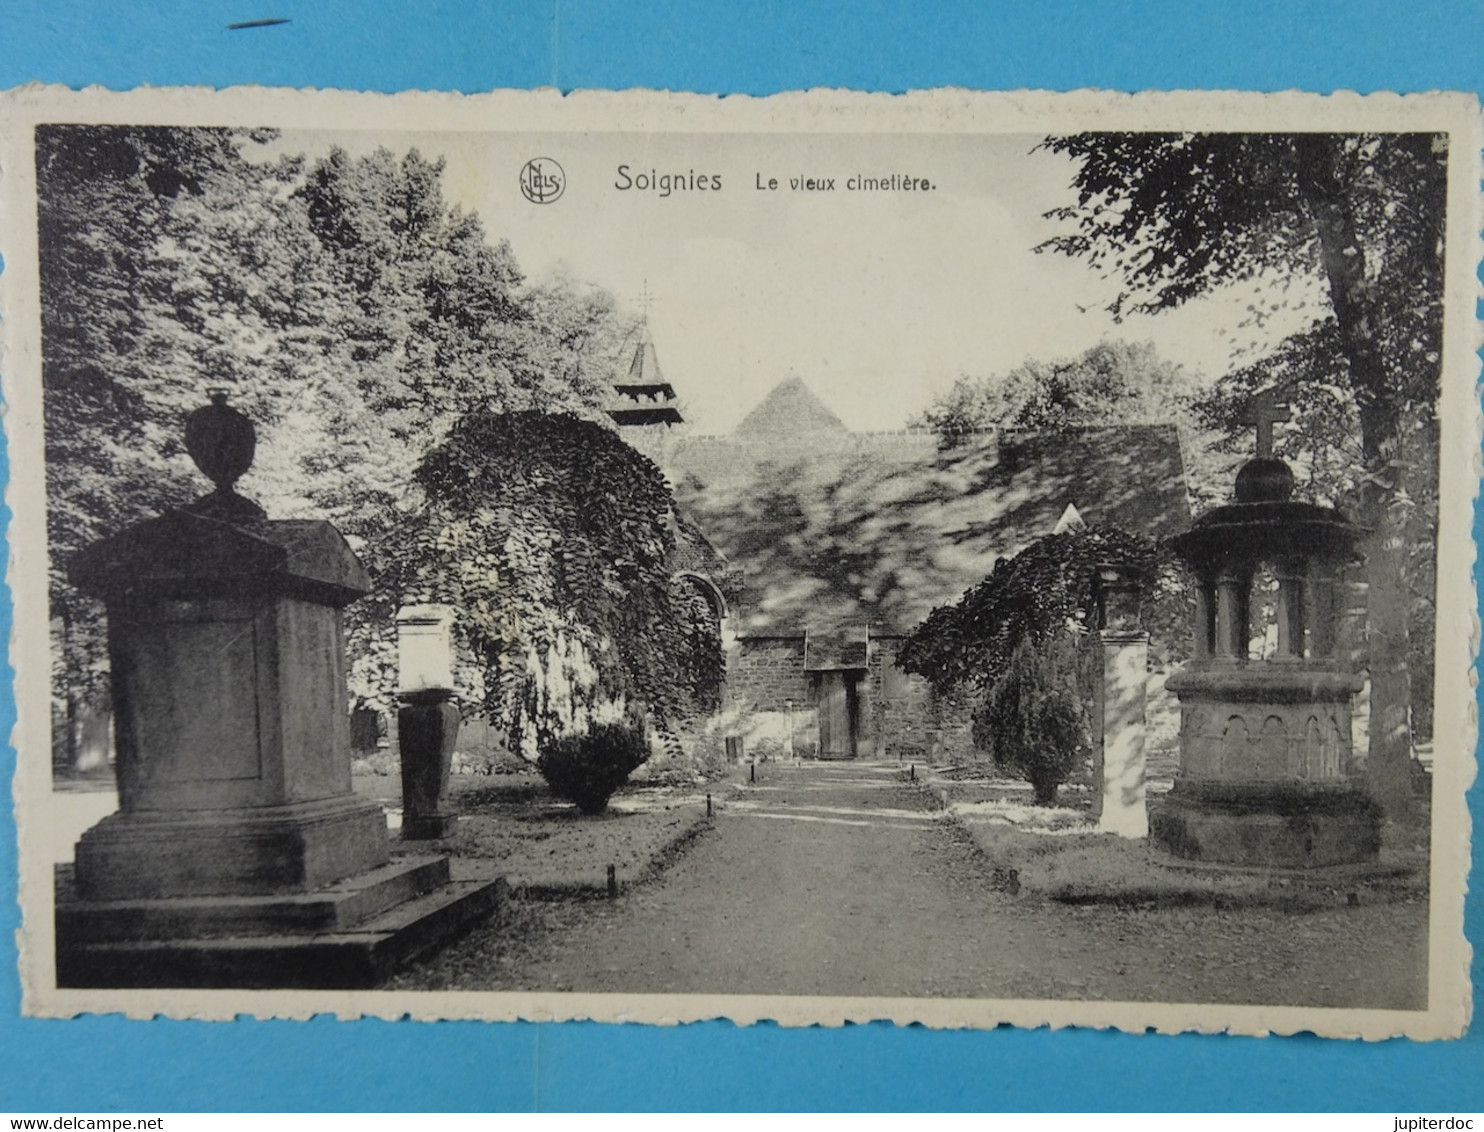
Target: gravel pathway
[{"x": 837, "y": 879}]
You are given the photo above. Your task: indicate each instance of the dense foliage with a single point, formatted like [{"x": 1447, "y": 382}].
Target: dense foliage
[
  {"x": 586, "y": 769},
  {"x": 701, "y": 660},
  {"x": 1045, "y": 590},
  {"x": 1112, "y": 383},
  {"x": 349, "y": 310},
  {"x": 1175, "y": 216},
  {"x": 549, "y": 535},
  {"x": 1013, "y": 646}
]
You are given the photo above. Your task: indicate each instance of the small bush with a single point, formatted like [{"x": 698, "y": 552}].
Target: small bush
[
  {"x": 1033, "y": 721},
  {"x": 587, "y": 769}
]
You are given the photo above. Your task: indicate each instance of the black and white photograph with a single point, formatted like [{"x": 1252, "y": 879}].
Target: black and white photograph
[{"x": 940, "y": 558}]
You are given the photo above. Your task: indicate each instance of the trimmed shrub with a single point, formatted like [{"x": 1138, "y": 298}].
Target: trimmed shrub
[
  {"x": 586, "y": 769},
  {"x": 1032, "y": 721}
]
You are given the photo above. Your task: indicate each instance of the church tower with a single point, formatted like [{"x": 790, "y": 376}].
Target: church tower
[{"x": 645, "y": 397}]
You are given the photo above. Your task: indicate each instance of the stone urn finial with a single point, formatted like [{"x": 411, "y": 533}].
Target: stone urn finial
[{"x": 222, "y": 442}]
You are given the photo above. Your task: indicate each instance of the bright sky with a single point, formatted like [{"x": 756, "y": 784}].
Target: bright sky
[{"x": 878, "y": 300}]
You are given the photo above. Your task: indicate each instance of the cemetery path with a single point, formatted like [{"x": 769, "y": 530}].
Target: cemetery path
[{"x": 839, "y": 879}]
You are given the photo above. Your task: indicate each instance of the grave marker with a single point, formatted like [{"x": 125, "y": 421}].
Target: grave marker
[
  {"x": 1265, "y": 750},
  {"x": 239, "y": 855},
  {"x": 427, "y": 721}
]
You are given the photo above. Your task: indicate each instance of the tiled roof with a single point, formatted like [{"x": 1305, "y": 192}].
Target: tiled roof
[{"x": 833, "y": 530}]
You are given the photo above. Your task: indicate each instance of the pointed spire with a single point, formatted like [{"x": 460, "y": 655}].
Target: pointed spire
[{"x": 644, "y": 369}]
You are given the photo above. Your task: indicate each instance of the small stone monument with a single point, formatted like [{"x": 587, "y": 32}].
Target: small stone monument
[
  {"x": 1118, "y": 773},
  {"x": 1265, "y": 756},
  {"x": 239, "y": 855},
  {"x": 428, "y": 720}
]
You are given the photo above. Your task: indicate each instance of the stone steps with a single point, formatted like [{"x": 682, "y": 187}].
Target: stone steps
[
  {"x": 335, "y": 907},
  {"x": 343, "y": 959}
]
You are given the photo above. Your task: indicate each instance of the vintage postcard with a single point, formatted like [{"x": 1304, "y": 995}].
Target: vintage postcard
[{"x": 950, "y": 558}]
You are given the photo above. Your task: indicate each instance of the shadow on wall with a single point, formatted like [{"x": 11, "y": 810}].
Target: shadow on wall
[{"x": 841, "y": 533}]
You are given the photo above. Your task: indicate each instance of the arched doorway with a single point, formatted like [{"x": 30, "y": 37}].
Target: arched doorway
[{"x": 702, "y": 610}]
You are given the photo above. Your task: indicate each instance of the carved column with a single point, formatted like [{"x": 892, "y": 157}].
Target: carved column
[
  {"x": 1233, "y": 594},
  {"x": 1291, "y": 615}
]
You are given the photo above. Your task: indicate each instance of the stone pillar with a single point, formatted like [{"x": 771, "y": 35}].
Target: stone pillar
[
  {"x": 1233, "y": 593},
  {"x": 428, "y": 720},
  {"x": 227, "y": 663},
  {"x": 1118, "y": 800},
  {"x": 1205, "y": 618},
  {"x": 1291, "y": 615},
  {"x": 1118, "y": 778},
  {"x": 1320, "y": 609}
]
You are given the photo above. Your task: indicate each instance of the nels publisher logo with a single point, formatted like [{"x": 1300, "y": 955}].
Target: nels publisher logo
[{"x": 542, "y": 180}]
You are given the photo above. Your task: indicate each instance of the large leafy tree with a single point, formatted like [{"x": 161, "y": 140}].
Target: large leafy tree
[
  {"x": 164, "y": 272},
  {"x": 431, "y": 319},
  {"x": 1113, "y": 382},
  {"x": 1176, "y": 216},
  {"x": 348, "y": 308}
]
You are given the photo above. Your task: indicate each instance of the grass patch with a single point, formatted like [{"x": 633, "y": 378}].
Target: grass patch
[
  {"x": 514, "y": 825},
  {"x": 1054, "y": 852}
]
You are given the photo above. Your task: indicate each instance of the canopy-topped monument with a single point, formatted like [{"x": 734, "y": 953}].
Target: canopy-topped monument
[{"x": 1266, "y": 767}]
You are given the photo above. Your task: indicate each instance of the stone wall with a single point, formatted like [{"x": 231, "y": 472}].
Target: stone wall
[
  {"x": 767, "y": 672},
  {"x": 900, "y": 715},
  {"x": 911, "y": 720}
]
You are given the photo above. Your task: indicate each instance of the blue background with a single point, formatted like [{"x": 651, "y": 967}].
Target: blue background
[{"x": 108, "y": 1063}]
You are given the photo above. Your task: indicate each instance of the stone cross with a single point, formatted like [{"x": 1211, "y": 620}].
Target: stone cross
[{"x": 1264, "y": 410}]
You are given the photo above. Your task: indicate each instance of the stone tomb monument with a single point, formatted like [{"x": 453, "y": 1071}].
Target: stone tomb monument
[
  {"x": 239, "y": 855},
  {"x": 1265, "y": 753}
]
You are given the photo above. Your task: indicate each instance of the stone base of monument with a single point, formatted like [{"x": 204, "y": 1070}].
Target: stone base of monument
[
  {"x": 256, "y": 850},
  {"x": 1289, "y": 825},
  {"x": 428, "y": 827},
  {"x": 350, "y": 934}
]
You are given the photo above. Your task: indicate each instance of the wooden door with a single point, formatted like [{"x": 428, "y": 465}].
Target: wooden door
[{"x": 837, "y": 698}]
